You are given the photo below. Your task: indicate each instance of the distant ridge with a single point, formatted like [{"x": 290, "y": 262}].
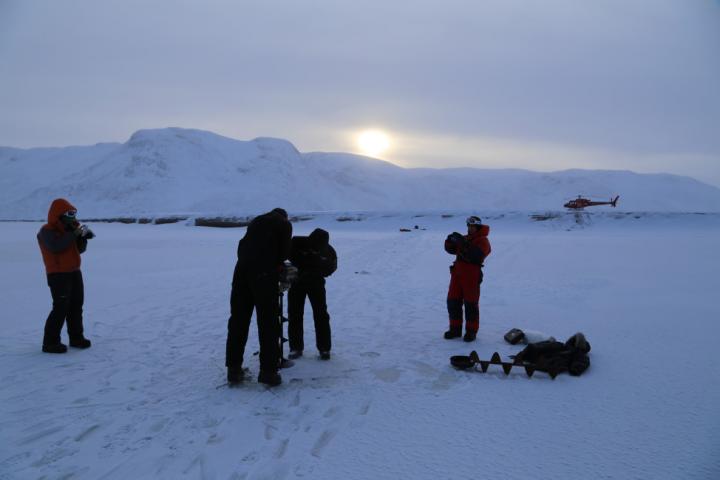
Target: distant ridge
[{"x": 175, "y": 171}]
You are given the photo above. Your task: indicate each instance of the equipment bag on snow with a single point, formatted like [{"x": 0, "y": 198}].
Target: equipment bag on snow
[{"x": 571, "y": 356}]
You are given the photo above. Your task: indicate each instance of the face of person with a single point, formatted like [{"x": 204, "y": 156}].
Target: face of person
[
  {"x": 68, "y": 218},
  {"x": 472, "y": 229}
]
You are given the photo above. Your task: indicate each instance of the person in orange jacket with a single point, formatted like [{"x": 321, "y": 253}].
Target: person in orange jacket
[
  {"x": 465, "y": 277},
  {"x": 61, "y": 242}
]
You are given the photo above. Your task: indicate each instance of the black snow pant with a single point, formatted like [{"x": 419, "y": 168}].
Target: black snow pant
[
  {"x": 259, "y": 291},
  {"x": 68, "y": 295},
  {"x": 314, "y": 289}
]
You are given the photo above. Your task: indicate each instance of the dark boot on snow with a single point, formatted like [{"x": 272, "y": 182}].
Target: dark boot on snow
[
  {"x": 80, "y": 342},
  {"x": 271, "y": 379},
  {"x": 55, "y": 348},
  {"x": 469, "y": 336},
  {"x": 324, "y": 355},
  {"x": 453, "y": 333},
  {"x": 235, "y": 375}
]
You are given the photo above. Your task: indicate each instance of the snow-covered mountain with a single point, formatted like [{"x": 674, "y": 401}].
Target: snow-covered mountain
[{"x": 193, "y": 172}]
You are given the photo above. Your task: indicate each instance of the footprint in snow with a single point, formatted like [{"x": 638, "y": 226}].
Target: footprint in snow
[
  {"x": 269, "y": 431},
  {"x": 250, "y": 457},
  {"x": 159, "y": 425},
  {"x": 86, "y": 432},
  {"x": 424, "y": 368},
  {"x": 282, "y": 448},
  {"x": 389, "y": 374},
  {"x": 54, "y": 455},
  {"x": 365, "y": 408},
  {"x": 444, "y": 381},
  {"x": 370, "y": 354},
  {"x": 14, "y": 460},
  {"x": 39, "y": 435},
  {"x": 199, "y": 461},
  {"x": 322, "y": 442},
  {"x": 332, "y": 411}
]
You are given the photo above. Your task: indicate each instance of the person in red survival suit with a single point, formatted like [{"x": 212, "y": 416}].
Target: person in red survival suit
[
  {"x": 61, "y": 242},
  {"x": 465, "y": 277}
]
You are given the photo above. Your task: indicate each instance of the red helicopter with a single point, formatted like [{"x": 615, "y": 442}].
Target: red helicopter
[{"x": 579, "y": 203}]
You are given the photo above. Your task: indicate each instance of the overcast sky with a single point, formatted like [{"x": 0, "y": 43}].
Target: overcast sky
[{"x": 537, "y": 84}]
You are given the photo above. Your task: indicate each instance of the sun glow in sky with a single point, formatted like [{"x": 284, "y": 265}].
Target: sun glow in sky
[
  {"x": 623, "y": 89},
  {"x": 373, "y": 142}
]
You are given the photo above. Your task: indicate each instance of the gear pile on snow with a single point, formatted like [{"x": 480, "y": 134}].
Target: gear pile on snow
[
  {"x": 515, "y": 336},
  {"x": 550, "y": 356}
]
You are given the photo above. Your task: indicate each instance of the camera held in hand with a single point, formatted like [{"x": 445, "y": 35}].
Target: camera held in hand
[
  {"x": 456, "y": 238},
  {"x": 85, "y": 232}
]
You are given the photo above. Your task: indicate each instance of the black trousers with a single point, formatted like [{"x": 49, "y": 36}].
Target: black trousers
[
  {"x": 259, "y": 291},
  {"x": 314, "y": 289},
  {"x": 68, "y": 295}
]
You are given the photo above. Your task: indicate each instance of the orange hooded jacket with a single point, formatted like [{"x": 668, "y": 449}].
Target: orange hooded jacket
[
  {"x": 62, "y": 255},
  {"x": 480, "y": 239}
]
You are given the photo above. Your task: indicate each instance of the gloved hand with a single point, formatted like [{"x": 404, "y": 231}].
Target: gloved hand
[
  {"x": 84, "y": 232},
  {"x": 288, "y": 274}
]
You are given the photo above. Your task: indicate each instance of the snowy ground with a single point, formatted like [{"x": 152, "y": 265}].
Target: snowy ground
[{"x": 144, "y": 401}]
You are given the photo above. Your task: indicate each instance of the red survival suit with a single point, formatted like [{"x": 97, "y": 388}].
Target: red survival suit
[{"x": 466, "y": 276}]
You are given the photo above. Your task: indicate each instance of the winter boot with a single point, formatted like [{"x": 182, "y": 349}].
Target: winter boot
[
  {"x": 271, "y": 379},
  {"x": 453, "y": 333},
  {"x": 294, "y": 354},
  {"x": 469, "y": 336},
  {"x": 324, "y": 355},
  {"x": 56, "y": 348},
  {"x": 80, "y": 342},
  {"x": 235, "y": 375}
]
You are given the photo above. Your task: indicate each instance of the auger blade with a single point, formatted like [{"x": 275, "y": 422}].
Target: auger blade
[{"x": 530, "y": 368}]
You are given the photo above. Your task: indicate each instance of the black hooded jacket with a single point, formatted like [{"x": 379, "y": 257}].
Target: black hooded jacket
[
  {"x": 266, "y": 244},
  {"x": 313, "y": 255}
]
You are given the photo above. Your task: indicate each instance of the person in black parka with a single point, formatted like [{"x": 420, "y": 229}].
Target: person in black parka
[
  {"x": 315, "y": 260},
  {"x": 260, "y": 256}
]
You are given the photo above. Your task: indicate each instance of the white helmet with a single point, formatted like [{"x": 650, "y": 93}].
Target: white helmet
[{"x": 473, "y": 220}]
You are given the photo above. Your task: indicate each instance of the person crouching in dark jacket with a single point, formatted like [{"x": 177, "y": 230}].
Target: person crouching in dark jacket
[
  {"x": 315, "y": 260},
  {"x": 61, "y": 242},
  {"x": 260, "y": 256}
]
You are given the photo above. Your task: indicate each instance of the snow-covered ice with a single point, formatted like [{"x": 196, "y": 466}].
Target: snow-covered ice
[{"x": 147, "y": 401}]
